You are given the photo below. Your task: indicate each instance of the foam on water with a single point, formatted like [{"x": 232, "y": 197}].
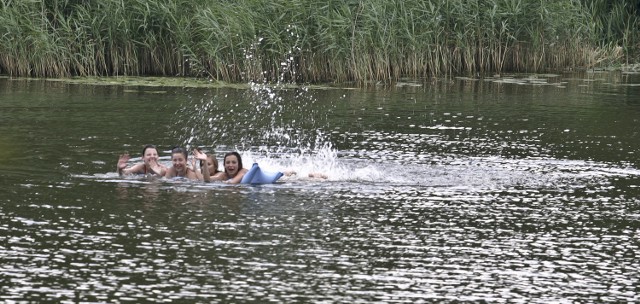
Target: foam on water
[{"x": 492, "y": 173}]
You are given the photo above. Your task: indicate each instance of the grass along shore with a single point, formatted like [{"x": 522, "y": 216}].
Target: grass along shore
[{"x": 313, "y": 41}]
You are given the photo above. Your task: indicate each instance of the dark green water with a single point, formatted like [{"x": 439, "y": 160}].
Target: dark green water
[{"x": 490, "y": 190}]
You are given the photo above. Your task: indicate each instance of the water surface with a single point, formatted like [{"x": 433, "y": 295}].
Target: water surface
[{"x": 517, "y": 189}]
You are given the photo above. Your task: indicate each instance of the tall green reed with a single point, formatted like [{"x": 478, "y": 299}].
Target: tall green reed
[{"x": 311, "y": 40}]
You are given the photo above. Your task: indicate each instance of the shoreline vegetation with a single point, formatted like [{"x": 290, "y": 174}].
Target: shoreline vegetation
[{"x": 308, "y": 41}]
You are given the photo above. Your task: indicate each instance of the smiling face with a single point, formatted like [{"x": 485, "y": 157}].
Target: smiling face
[
  {"x": 231, "y": 165},
  {"x": 212, "y": 164},
  {"x": 149, "y": 155},
  {"x": 179, "y": 162}
]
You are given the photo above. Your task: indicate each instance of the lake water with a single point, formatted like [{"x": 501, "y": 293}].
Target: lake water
[{"x": 515, "y": 189}]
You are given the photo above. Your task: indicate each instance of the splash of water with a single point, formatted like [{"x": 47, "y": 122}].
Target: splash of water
[{"x": 269, "y": 119}]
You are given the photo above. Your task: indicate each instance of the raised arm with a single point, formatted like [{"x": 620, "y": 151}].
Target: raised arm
[
  {"x": 201, "y": 156},
  {"x": 121, "y": 167}
]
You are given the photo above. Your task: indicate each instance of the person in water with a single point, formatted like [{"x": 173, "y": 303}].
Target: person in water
[
  {"x": 180, "y": 158},
  {"x": 233, "y": 170},
  {"x": 211, "y": 164},
  {"x": 148, "y": 166}
]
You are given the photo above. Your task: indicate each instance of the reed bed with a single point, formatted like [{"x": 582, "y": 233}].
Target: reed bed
[{"x": 311, "y": 40}]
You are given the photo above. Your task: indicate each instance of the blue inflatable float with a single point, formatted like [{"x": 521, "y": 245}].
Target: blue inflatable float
[{"x": 258, "y": 176}]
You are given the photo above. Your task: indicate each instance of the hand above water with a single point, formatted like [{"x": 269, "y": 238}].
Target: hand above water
[
  {"x": 199, "y": 155},
  {"x": 156, "y": 167},
  {"x": 122, "y": 161}
]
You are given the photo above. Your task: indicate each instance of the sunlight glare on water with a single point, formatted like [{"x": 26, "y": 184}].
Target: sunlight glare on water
[{"x": 501, "y": 190}]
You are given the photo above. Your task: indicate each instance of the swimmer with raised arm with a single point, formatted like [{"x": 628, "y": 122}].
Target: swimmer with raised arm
[
  {"x": 148, "y": 166},
  {"x": 211, "y": 164},
  {"x": 233, "y": 170},
  {"x": 179, "y": 159}
]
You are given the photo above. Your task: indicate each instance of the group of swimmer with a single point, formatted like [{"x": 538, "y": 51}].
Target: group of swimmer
[
  {"x": 232, "y": 162},
  {"x": 233, "y": 169}
]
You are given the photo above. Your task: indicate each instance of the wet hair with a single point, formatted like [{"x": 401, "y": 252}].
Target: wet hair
[
  {"x": 180, "y": 150},
  {"x": 144, "y": 149},
  {"x": 213, "y": 160},
  {"x": 236, "y": 154}
]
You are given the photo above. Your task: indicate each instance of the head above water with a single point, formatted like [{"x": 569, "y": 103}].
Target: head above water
[
  {"x": 229, "y": 160},
  {"x": 149, "y": 152},
  {"x": 144, "y": 149},
  {"x": 179, "y": 158},
  {"x": 179, "y": 150},
  {"x": 211, "y": 159}
]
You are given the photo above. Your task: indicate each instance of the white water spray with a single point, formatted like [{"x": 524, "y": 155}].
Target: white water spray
[{"x": 276, "y": 124}]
